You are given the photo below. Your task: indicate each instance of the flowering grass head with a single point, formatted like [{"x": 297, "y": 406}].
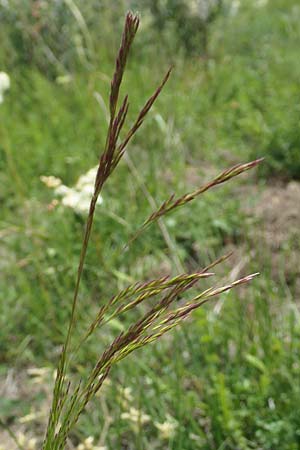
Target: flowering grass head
[{"x": 164, "y": 297}]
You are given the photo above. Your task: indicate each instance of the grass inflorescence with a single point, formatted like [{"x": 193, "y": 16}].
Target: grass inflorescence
[{"x": 70, "y": 397}]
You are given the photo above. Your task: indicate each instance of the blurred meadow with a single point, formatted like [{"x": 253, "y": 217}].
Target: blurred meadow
[{"x": 229, "y": 377}]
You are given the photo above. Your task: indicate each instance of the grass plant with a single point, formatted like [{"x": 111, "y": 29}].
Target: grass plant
[{"x": 168, "y": 308}]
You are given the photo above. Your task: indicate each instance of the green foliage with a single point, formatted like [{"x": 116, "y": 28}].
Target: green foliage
[
  {"x": 258, "y": 80},
  {"x": 56, "y": 37},
  {"x": 185, "y": 22}
]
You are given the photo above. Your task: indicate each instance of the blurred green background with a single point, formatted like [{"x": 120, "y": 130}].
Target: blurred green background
[{"x": 230, "y": 378}]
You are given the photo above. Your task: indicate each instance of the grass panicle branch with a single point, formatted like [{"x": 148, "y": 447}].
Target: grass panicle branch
[
  {"x": 71, "y": 398},
  {"x": 141, "y": 292},
  {"x": 130, "y": 28},
  {"x": 172, "y": 203},
  {"x": 140, "y": 119}
]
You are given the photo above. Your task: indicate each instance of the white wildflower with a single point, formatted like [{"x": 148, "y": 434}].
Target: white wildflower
[
  {"x": 4, "y": 84},
  {"x": 34, "y": 415},
  {"x": 88, "y": 444},
  {"x": 38, "y": 371},
  {"x": 77, "y": 197},
  {"x": 50, "y": 271},
  {"x": 39, "y": 374},
  {"x": 87, "y": 180},
  {"x": 136, "y": 416},
  {"x": 51, "y": 181},
  {"x": 62, "y": 190},
  {"x": 51, "y": 252},
  {"x": 127, "y": 392},
  {"x": 196, "y": 438},
  {"x": 21, "y": 438},
  {"x": 126, "y": 396},
  {"x": 271, "y": 403},
  {"x": 63, "y": 79},
  {"x": 167, "y": 428},
  {"x": 31, "y": 444},
  {"x": 24, "y": 442},
  {"x": 76, "y": 200}
]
